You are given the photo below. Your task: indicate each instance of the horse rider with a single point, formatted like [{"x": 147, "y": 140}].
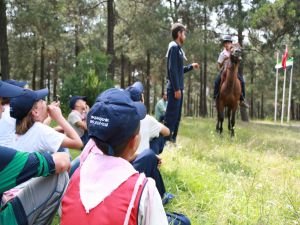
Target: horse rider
[{"x": 224, "y": 55}]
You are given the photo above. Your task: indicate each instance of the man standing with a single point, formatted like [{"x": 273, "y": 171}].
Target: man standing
[
  {"x": 175, "y": 87},
  {"x": 160, "y": 108}
]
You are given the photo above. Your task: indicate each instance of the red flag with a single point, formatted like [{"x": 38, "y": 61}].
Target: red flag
[{"x": 284, "y": 58}]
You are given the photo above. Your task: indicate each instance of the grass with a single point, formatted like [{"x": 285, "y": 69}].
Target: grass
[{"x": 253, "y": 178}]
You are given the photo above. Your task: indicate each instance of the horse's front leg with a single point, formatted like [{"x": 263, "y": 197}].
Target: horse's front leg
[
  {"x": 221, "y": 120},
  {"x": 229, "y": 118},
  {"x": 220, "y": 109},
  {"x": 218, "y": 124},
  {"x": 232, "y": 122}
]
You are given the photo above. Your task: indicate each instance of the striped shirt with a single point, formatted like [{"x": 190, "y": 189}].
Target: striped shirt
[{"x": 16, "y": 168}]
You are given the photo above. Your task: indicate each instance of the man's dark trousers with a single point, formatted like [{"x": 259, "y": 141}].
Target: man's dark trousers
[
  {"x": 173, "y": 113},
  {"x": 147, "y": 162}
]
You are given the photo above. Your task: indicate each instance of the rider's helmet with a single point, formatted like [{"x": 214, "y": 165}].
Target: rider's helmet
[{"x": 227, "y": 38}]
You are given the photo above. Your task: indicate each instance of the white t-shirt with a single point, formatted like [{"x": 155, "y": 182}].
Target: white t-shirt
[
  {"x": 151, "y": 206},
  {"x": 73, "y": 118},
  {"x": 223, "y": 55},
  {"x": 7, "y": 128},
  {"x": 150, "y": 128},
  {"x": 39, "y": 137}
]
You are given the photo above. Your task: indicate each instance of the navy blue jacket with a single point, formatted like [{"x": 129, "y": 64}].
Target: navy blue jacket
[{"x": 176, "y": 69}]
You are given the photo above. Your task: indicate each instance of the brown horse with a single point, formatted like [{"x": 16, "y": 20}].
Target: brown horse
[{"x": 230, "y": 90}]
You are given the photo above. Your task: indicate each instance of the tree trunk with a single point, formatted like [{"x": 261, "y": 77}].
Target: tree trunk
[
  {"x": 204, "y": 112},
  {"x": 55, "y": 76},
  {"x": 147, "y": 102},
  {"x": 201, "y": 92},
  {"x": 154, "y": 99},
  {"x": 252, "y": 95},
  {"x": 298, "y": 111},
  {"x": 244, "y": 114},
  {"x": 42, "y": 65},
  {"x": 49, "y": 79},
  {"x": 262, "y": 113},
  {"x": 129, "y": 73},
  {"x": 35, "y": 67},
  {"x": 162, "y": 69},
  {"x": 77, "y": 48},
  {"x": 122, "y": 70},
  {"x": 258, "y": 109},
  {"x": 188, "y": 105},
  {"x": 243, "y": 110},
  {"x": 292, "y": 109},
  {"x": 110, "y": 37},
  {"x": 240, "y": 28},
  {"x": 197, "y": 105},
  {"x": 3, "y": 41}
]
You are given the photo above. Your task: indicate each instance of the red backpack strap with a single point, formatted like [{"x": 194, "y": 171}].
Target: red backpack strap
[{"x": 140, "y": 183}]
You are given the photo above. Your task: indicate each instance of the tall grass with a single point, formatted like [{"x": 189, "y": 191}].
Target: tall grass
[{"x": 253, "y": 178}]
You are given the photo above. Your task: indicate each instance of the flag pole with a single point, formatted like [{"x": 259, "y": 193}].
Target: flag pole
[
  {"x": 283, "y": 96},
  {"x": 290, "y": 95},
  {"x": 276, "y": 89}
]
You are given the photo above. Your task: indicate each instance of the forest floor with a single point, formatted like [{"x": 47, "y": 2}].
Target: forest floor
[{"x": 253, "y": 178}]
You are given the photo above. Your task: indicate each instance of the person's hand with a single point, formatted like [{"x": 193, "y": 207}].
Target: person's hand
[
  {"x": 55, "y": 103},
  {"x": 54, "y": 112},
  {"x": 177, "y": 94},
  {"x": 62, "y": 162},
  {"x": 159, "y": 161},
  {"x": 195, "y": 66}
]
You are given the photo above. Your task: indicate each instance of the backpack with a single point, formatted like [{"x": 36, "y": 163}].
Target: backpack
[{"x": 177, "y": 219}]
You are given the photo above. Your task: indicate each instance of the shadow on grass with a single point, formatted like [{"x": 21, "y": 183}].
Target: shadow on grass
[{"x": 235, "y": 167}]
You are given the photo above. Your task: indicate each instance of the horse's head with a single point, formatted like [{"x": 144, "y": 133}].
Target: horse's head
[{"x": 236, "y": 53}]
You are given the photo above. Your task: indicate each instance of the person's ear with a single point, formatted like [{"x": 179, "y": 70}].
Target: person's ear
[{"x": 34, "y": 113}]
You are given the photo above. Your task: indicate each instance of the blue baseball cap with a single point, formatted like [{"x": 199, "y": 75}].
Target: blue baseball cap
[
  {"x": 114, "y": 117},
  {"x": 16, "y": 83},
  {"x": 74, "y": 99},
  {"x": 21, "y": 105},
  {"x": 136, "y": 90},
  {"x": 8, "y": 91}
]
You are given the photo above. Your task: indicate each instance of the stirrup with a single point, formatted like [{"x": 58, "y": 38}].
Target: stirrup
[{"x": 244, "y": 104}]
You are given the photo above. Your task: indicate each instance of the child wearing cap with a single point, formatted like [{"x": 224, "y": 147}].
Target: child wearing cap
[
  {"x": 38, "y": 202},
  {"x": 32, "y": 135},
  {"x": 30, "y": 111},
  {"x": 7, "y": 123},
  {"x": 77, "y": 117},
  {"x": 147, "y": 160},
  {"x": 106, "y": 189},
  {"x": 150, "y": 127}
]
